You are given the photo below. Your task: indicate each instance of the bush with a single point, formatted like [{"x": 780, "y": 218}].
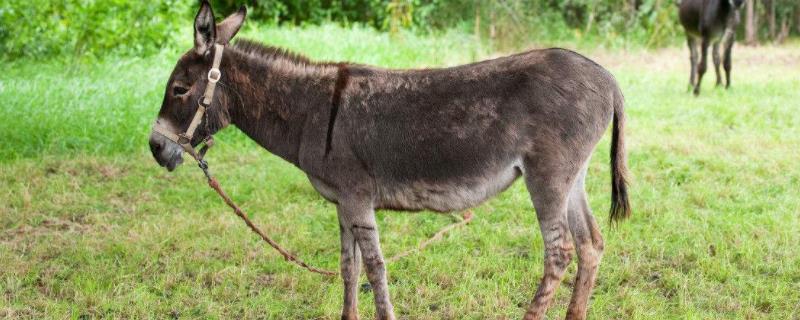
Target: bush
[
  {"x": 301, "y": 12},
  {"x": 40, "y": 28}
]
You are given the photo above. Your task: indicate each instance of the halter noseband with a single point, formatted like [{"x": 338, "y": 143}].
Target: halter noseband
[{"x": 185, "y": 139}]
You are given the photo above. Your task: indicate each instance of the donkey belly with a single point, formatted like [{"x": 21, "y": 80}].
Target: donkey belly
[{"x": 454, "y": 194}]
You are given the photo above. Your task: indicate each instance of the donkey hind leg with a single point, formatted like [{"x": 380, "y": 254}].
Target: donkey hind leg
[
  {"x": 350, "y": 264},
  {"x": 359, "y": 217},
  {"x": 727, "y": 42},
  {"x": 692, "y": 43},
  {"x": 549, "y": 195},
  {"x": 715, "y": 55},
  {"x": 589, "y": 245},
  {"x": 701, "y": 68}
]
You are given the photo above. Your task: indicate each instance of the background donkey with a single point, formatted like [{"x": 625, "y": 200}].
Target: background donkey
[
  {"x": 440, "y": 139},
  {"x": 709, "y": 22}
]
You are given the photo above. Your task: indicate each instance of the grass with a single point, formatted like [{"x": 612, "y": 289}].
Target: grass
[{"x": 91, "y": 227}]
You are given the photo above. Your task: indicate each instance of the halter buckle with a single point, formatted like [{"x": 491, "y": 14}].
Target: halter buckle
[
  {"x": 183, "y": 139},
  {"x": 214, "y": 75}
]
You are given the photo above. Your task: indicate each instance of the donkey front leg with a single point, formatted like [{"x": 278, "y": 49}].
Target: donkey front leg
[
  {"x": 701, "y": 69},
  {"x": 350, "y": 264},
  {"x": 359, "y": 218},
  {"x": 692, "y": 43},
  {"x": 727, "y": 41},
  {"x": 551, "y": 211},
  {"x": 715, "y": 56}
]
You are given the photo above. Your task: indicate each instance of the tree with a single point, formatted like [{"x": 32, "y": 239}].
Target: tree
[
  {"x": 771, "y": 18},
  {"x": 750, "y": 26}
]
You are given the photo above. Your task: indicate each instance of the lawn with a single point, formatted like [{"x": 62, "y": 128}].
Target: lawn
[{"x": 91, "y": 227}]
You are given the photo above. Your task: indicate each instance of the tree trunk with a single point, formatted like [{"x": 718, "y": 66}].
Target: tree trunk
[
  {"x": 773, "y": 30},
  {"x": 784, "y": 31},
  {"x": 797, "y": 19},
  {"x": 750, "y": 27}
]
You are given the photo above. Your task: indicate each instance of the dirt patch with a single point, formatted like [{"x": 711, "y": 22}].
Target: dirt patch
[
  {"x": 23, "y": 313},
  {"x": 50, "y": 225},
  {"x": 87, "y": 168}
]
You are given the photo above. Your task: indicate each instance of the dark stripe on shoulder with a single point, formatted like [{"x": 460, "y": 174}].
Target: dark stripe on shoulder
[{"x": 342, "y": 77}]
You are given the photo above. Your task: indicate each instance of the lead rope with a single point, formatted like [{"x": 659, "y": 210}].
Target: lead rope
[{"x": 214, "y": 184}]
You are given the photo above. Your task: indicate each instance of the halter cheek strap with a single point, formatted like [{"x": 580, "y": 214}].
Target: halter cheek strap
[{"x": 185, "y": 139}]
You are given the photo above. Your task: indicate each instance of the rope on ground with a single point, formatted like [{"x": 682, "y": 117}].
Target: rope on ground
[
  {"x": 467, "y": 218},
  {"x": 214, "y": 184}
]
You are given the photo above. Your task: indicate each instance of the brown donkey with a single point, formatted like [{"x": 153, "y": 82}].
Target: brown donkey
[{"x": 440, "y": 139}]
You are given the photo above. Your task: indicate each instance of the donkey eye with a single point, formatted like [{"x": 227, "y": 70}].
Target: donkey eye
[{"x": 179, "y": 91}]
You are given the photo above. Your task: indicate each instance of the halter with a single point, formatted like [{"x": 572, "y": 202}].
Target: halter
[{"x": 185, "y": 139}]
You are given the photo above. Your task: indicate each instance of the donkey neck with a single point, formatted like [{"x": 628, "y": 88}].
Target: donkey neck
[{"x": 273, "y": 97}]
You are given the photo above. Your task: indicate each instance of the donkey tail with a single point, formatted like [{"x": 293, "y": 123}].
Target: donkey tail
[{"x": 620, "y": 207}]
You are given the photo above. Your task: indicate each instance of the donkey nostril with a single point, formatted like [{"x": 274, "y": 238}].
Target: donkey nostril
[{"x": 155, "y": 147}]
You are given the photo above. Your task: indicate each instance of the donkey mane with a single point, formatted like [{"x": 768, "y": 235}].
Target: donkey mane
[{"x": 254, "y": 48}]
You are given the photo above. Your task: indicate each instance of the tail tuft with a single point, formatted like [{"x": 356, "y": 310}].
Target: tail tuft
[{"x": 620, "y": 207}]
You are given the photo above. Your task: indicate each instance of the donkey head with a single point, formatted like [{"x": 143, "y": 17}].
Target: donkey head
[
  {"x": 186, "y": 87},
  {"x": 736, "y": 3}
]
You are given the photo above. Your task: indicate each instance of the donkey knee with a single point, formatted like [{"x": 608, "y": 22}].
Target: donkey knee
[
  {"x": 598, "y": 243},
  {"x": 561, "y": 258},
  {"x": 589, "y": 255},
  {"x": 369, "y": 247},
  {"x": 559, "y": 247},
  {"x": 377, "y": 267},
  {"x": 701, "y": 69}
]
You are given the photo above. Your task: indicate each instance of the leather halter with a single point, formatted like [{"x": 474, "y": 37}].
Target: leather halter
[{"x": 185, "y": 139}]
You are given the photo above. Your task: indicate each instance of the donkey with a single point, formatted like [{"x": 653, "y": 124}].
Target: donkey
[
  {"x": 439, "y": 139},
  {"x": 709, "y": 22}
]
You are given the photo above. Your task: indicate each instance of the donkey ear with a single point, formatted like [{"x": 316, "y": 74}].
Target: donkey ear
[
  {"x": 230, "y": 26},
  {"x": 204, "y": 29}
]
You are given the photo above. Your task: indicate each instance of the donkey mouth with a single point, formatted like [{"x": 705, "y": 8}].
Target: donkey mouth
[
  {"x": 170, "y": 163},
  {"x": 169, "y": 160},
  {"x": 174, "y": 163},
  {"x": 168, "y": 155}
]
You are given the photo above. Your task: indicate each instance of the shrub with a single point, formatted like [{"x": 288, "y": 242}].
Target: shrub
[{"x": 39, "y": 28}]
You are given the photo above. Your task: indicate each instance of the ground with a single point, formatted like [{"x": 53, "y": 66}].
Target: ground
[{"x": 91, "y": 227}]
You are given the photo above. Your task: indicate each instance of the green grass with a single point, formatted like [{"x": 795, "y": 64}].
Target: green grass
[{"x": 91, "y": 226}]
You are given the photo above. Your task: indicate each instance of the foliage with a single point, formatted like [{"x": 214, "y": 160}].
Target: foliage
[
  {"x": 39, "y": 28},
  {"x": 302, "y": 12},
  {"x": 787, "y": 13},
  {"x": 515, "y": 24}
]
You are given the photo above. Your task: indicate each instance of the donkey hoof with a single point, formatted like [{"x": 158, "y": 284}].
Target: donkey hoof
[{"x": 350, "y": 317}]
